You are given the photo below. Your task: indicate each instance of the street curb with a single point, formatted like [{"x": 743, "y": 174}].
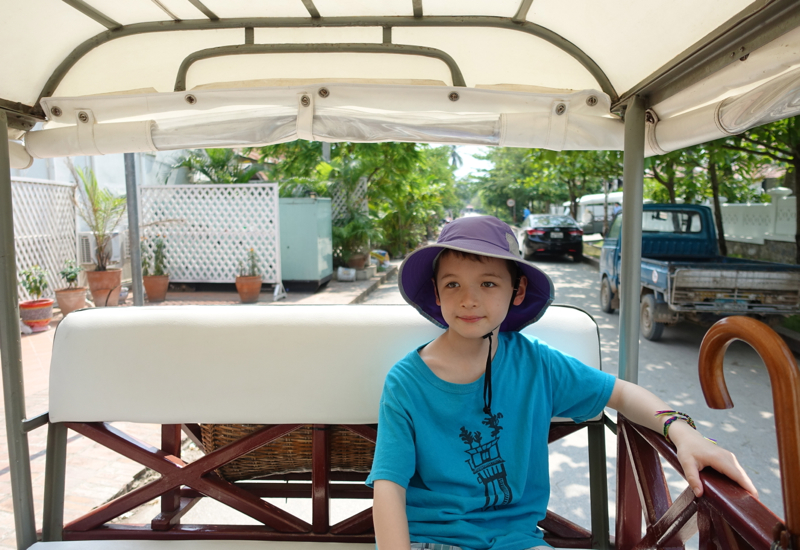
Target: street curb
[
  {"x": 789, "y": 336},
  {"x": 376, "y": 282},
  {"x": 592, "y": 261}
]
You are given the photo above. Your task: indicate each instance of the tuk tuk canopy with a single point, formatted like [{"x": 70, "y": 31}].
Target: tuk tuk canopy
[{"x": 148, "y": 75}]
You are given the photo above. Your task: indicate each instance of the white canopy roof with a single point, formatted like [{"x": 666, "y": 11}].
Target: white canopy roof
[{"x": 543, "y": 73}]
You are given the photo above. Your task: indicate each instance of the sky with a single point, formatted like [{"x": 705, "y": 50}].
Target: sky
[{"x": 471, "y": 164}]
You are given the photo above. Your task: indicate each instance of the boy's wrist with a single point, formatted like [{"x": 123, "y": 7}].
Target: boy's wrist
[{"x": 680, "y": 431}]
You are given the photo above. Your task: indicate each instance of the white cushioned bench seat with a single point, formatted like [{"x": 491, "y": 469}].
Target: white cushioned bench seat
[{"x": 251, "y": 365}]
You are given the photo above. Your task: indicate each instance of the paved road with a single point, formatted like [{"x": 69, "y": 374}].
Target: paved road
[{"x": 668, "y": 368}]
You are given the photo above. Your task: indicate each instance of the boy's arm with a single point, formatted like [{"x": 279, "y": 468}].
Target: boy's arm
[
  {"x": 694, "y": 451},
  {"x": 389, "y": 516}
]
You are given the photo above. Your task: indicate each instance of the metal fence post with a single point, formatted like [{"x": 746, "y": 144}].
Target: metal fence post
[
  {"x": 11, "y": 359},
  {"x": 131, "y": 195},
  {"x": 630, "y": 272}
]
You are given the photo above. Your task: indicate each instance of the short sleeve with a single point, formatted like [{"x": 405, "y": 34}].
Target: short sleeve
[
  {"x": 395, "y": 455},
  {"x": 579, "y": 392}
]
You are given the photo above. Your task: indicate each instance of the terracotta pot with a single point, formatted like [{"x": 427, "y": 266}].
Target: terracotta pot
[
  {"x": 105, "y": 286},
  {"x": 357, "y": 260},
  {"x": 37, "y": 314},
  {"x": 155, "y": 286},
  {"x": 248, "y": 288},
  {"x": 70, "y": 299}
]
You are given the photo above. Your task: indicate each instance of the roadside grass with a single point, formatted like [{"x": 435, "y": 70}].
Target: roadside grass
[
  {"x": 792, "y": 322},
  {"x": 592, "y": 248}
]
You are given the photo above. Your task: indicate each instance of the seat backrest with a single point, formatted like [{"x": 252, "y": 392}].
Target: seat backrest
[{"x": 251, "y": 365}]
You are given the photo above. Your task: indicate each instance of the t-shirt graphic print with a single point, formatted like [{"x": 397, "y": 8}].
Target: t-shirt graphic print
[{"x": 486, "y": 462}]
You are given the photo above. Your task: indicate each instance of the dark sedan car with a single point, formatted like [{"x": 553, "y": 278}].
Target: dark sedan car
[{"x": 551, "y": 235}]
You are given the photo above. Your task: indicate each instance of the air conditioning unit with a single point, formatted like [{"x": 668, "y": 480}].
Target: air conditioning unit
[{"x": 118, "y": 246}]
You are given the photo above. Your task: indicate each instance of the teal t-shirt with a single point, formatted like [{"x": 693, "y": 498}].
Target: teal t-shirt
[{"x": 472, "y": 480}]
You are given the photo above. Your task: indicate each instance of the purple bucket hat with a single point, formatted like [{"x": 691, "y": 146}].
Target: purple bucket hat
[{"x": 485, "y": 236}]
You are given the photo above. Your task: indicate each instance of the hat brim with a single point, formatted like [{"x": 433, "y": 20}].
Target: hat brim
[{"x": 415, "y": 281}]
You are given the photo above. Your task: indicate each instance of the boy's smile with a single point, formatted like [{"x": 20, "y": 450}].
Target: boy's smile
[{"x": 475, "y": 295}]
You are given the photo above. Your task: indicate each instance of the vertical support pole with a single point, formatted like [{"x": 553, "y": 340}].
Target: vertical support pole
[
  {"x": 630, "y": 272},
  {"x": 171, "y": 500},
  {"x": 54, "y": 475},
  {"x": 598, "y": 485},
  {"x": 132, "y": 196},
  {"x": 320, "y": 478},
  {"x": 11, "y": 359}
]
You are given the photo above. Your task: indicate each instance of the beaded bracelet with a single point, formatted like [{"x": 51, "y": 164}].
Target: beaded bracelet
[{"x": 677, "y": 415}]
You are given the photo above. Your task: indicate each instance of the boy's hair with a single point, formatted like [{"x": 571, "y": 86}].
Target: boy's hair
[{"x": 512, "y": 266}]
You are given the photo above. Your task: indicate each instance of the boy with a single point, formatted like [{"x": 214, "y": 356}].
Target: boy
[{"x": 461, "y": 457}]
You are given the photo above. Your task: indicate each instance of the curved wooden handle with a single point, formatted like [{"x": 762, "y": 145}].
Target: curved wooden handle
[{"x": 785, "y": 380}]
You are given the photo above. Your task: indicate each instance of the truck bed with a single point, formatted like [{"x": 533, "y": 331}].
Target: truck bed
[{"x": 725, "y": 285}]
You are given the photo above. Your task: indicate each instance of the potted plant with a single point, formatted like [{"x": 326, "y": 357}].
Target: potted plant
[
  {"x": 248, "y": 282},
  {"x": 38, "y": 312},
  {"x": 156, "y": 282},
  {"x": 72, "y": 296},
  {"x": 102, "y": 211},
  {"x": 352, "y": 238}
]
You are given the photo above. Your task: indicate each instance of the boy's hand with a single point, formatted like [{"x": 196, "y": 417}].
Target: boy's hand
[{"x": 695, "y": 453}]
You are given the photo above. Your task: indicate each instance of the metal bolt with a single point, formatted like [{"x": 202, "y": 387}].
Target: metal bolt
[
  {"x": 323, "y": 92},
  {"x": 561, "y": 109},
  {"x": 741, "y": 50},
  {"x": 744, "y": 57},
  {"x": 83, "y": 117},
  {"x": 305, "y": 101},
  {"x": 190, "y": 99},
  {"x": 591, "y": 101},
  {"x": 453, "y": 96},
  {"x": 56, "y": 111},
  {"x": 649, "y": 118}
]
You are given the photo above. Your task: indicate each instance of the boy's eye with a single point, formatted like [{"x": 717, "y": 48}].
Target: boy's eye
[
  {"x": 489, "y": 284},
  {"x": 451, "y": 285}
]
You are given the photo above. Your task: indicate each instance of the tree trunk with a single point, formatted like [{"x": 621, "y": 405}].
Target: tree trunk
[{"x": 712, "y": 176}]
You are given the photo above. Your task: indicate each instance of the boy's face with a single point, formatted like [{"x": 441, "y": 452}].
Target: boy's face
[{"x": 475, "y": 295}]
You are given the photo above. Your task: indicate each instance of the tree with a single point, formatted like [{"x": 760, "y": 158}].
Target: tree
[
  {"x": 540, "y": 177},
  {"x": 218, "y": 166},
  {"x": 409, "y": 185}
]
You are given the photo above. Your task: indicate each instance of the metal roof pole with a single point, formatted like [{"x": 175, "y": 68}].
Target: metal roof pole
[
  {"x": 630, "y": 271},
  {"x": 132, "y": 196},
  {"x": 11, "y": 358}
]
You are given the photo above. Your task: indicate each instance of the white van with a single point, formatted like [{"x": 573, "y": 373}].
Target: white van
[{"x": 591, "y": 210}]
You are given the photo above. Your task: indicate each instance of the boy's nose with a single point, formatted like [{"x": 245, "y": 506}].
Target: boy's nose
[{"x": 469, "y": 298}]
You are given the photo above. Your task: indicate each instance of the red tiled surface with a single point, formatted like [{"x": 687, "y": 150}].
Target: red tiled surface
[{"x": 95, "y": 474}]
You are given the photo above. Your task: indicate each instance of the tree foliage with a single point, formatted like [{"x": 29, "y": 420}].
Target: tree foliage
[
  {"x": 539, "y": 178},
  {"x": 410, "y": 186},
  {"x": 218, "y": 166}
]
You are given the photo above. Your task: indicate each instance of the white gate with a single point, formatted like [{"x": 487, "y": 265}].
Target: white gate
[
  {"x": 210, "y": 228},
  {"x": 44, "y": 228}
]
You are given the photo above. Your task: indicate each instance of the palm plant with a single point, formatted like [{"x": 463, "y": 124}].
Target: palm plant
[
  {"x": 219, "y": 165},
  {"x": 102, "y": 212}
]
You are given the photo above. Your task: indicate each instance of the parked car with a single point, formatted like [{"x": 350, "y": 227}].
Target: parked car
[{"x": 548, "y": 234}]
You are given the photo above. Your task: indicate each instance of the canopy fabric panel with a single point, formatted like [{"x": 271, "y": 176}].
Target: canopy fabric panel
[
  {"x": 325, "y": 112},
  {"x": 610, "y": 50}
]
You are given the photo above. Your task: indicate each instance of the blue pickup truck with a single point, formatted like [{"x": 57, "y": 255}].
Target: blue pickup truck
[{"x": 684, "y": 277}]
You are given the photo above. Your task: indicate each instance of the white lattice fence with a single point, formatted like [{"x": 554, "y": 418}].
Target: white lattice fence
[
  {"x": 209, "y": 229},
  {"x": 44, "y": 228},
  {"x": 339, "y": 199}
]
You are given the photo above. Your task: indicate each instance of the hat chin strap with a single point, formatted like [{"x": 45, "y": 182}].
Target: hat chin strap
[{"x": 487, "y": 379}]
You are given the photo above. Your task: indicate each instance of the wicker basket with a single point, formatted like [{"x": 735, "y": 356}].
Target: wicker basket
[{"x": 288, "y": 454}]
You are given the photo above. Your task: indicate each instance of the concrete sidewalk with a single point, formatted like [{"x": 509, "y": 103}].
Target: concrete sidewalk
[{"x": 95, "y": 474}]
